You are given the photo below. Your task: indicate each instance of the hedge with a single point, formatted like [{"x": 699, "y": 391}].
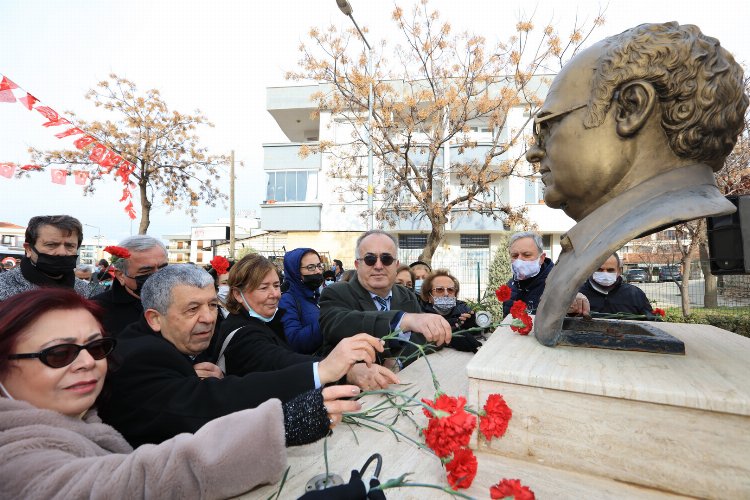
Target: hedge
[{"x": 734, "y": 319}]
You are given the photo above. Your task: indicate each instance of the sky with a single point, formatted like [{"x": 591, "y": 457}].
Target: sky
[{"x": 220, "y": 57}]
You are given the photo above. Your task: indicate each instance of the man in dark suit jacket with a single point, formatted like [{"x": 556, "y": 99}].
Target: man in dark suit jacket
[
  {"x": 162, "y": 386},
  {"x": 373, "y": 303}
]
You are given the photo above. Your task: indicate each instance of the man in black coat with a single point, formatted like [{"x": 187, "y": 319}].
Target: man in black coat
[
  {"x": 122, "y": 302},
  {"x": 162, "y": 386},
  {"x": 607, "y": 293},
  {"x": 373, "y": 303}
]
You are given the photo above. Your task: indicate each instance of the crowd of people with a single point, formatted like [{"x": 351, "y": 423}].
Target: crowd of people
[{"x": 138, "y": 380}]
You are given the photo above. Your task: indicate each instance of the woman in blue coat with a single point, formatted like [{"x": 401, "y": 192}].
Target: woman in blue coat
[{"x": 304, "y": 273}]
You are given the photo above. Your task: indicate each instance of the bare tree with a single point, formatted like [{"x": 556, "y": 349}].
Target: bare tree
[
  {"x": 436, "y": 87},
  {"x": 170, "y": 165}
]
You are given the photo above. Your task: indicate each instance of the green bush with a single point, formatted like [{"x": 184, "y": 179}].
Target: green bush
[
  {"x": 734, "y": 319},
  {"x": 500, "y": 273}
]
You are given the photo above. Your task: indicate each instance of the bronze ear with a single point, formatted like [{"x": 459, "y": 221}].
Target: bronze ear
[{"x": 634, "y": 102}]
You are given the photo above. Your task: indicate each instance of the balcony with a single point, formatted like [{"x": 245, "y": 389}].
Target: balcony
[
  {"x": 290, "y": 216},
  {"x": 286, "y": 157}
]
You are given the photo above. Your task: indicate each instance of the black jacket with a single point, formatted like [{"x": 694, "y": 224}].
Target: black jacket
[
  {"x": 623, "y": 298},
  {"x": 530, "y": 291},
  {"x": 120, "y": 308},
  {"x": 453, "y": 316},
  {"x": 155, "y": 394},
  {"x": 259, "y": 346}
]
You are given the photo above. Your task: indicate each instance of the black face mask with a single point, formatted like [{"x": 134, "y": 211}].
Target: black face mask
[
  {"x": 312, "y": 281},
  {"x": 54, "y": 265},
  {"x": 139, "y": 282}
]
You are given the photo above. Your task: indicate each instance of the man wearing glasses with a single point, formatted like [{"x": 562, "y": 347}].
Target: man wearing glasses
[
  {"x": 627, "y": 142},
  {"x": 372, "y": 302},
  {"x": 122, "y": 302}
]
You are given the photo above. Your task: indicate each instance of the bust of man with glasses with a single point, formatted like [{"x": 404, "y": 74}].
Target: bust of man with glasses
[
  {"x": 627, "y": 142},
  {"x": 372, "y": 302},
  {"x": 122, "y": 302}
]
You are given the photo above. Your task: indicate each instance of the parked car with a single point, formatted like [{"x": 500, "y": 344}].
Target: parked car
[
  {"x": 670, "y": 273},
  {"x": 636, "y": 276}
]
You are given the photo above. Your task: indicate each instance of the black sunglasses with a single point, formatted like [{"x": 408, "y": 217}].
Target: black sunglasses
[
  {"x": 61, "y": 355},
  {"x": 370, "y": 259}
]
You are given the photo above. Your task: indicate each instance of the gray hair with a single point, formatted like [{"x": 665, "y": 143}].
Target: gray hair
[
  {"x": 137, "y": 243},
  {"x": 528, "y": 234},
  {"x": 373, "y": 232},
  {"x": 157, "y": 291},
  {"x": 84, "y": 268}
]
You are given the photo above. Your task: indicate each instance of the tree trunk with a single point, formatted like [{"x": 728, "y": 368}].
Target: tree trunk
[
  {"x": 710, "y": 294},
  {"x": 685, "y": 288},
  {"x": 437, "y": 233},
  {"x": 145, "y": 206}
]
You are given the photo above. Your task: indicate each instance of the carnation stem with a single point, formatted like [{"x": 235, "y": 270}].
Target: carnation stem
[{"x": 399, "y": 483}]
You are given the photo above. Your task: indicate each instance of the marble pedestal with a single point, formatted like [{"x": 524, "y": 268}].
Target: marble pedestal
[{"x": 668, "y": 422}]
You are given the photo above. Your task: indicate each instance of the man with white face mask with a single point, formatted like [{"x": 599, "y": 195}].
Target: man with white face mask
[
  {"x": 607, "y": 293},
  {"x": 530, "y": 267}
]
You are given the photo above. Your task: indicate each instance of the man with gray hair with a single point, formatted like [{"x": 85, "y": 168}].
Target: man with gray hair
[
  {"x": 122, "y": 302},
  {"x": 372, "y": 302},
  {"x": 164, "y": 386},
  {"x": 530, "y": 266}
]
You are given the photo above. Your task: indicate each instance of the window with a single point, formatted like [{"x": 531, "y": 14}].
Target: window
[
  {"x": 412, "y": 241},
  {"x": 200, "y": 257},
  {"x": 8, "y": 240},
  {"x": 534, "y": 190},
  {"x": 292, "y": 185},
  {"x": 547, "y": 244},
  {"x": 475, "y": 241}
]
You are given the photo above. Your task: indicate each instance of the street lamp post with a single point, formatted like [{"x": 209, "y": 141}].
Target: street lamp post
[{"x": 346, "y": 8}]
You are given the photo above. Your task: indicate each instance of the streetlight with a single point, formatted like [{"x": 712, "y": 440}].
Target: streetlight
[{"x": 346, "y": 8}]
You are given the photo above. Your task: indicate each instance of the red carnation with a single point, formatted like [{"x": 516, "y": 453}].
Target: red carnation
[
  {"x": 518, "y": 308},
  {"x": 119, "y": 252},
  {"x": 660, "y": 312},
  {"x": 503, "y": 293},
  {"x": 462, "y": 469},
  {"x": 494, "y": 422},
  {"x": 511, "y": 488},
  {"x": 220, "y": 264},
  {"x": 446, "y": 434},
  {"x": 528, "y": 324}
]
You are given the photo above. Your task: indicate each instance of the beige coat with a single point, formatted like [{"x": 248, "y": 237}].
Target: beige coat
[{"x": 44, "y": 454}]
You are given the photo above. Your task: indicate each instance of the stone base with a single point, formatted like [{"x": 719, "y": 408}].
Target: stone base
[{"x": 672, "y": 423}]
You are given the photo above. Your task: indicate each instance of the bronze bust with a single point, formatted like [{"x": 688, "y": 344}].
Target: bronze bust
[{"x": 627, "y": 141}]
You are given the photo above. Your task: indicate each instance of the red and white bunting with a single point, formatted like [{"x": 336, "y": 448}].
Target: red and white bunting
[
  {"x": 7, "y": 169},
  {"x": 81, "y": 176},
  {"x": 59, "y": 175}
]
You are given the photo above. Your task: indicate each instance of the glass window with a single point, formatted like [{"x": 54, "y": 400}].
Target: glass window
[
  {"x": 412, "y": 241},
  {"x": 475, "y": 241},
  {"x": 292, "y": 185},
  {"x": 534, "y": 190}
]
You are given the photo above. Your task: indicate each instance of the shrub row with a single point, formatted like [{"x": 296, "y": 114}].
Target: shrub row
[{"x": 735, "y": 319}]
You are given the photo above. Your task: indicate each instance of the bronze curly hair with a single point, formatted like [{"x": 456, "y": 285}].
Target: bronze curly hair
[{"x": 699, "y": 84}]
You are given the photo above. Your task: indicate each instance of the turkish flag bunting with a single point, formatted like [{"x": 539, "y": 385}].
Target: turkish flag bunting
[
  {"x": 124, "y": 170},
  {"x": 126, "y": 194},
  {"x": 52, "y": 116},
  {"x": 59, "y": 175},
  {"x": 84, "y": 141},
  {"x": 28, "y": 101},
  {"x": 7, "y": 96},
  {"x": 130, "y": 210},
  {"x": 70, "y": 131},
  {"x": 81, "y": 176},
  {"x": 109, "y": 160},
  {"x": 97, "y": 152},
  {"x": 7, "y": 84},
  {"x": 7, "y": 169},
  {"x": 31, "y": 167}
]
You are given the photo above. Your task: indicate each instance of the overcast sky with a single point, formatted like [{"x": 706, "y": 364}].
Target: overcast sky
[{"x": 220, "y": 56}]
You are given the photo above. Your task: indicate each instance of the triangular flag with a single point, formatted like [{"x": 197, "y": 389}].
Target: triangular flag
[
  {"x": 70, "y": 131},
  {"x": 59, "y": 175},
  {"x": 124, "y": 170},
  {"x": 81, "y": 176},
  {"x": 52, "y": 116},
  {"x": 7, "y": 96},
  {"x": 97, "y": 152},
  {"x": 6, "y": 84},
  {"x": 110, "y": 160},
  {"x": 126, "y": 194},
  {"x": 7, "y": 169},
  {"x": 31, "y": 167},
  {"x": 130, "y": 210},
  {"x": 28, "y": 101}
]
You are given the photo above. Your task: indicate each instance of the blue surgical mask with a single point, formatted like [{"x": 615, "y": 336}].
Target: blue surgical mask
[
  {"x": 418, "y": 286},
  {"x": 223, "y": 293},
  {"x": 329, "y": 282},
  {"x": 254, "y": 314}
]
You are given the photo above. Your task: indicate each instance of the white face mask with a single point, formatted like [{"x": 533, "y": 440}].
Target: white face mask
[
  {"x": 223, "y": 293},
  {"x": 444, "y": 304},
  {"x": 418, "y": 286},
  {"x": 604, "y": 279},
  {"x": 525, "y": 269},
  {"x": 254, "y": 314},
  {"x": 5, "y": 392}
]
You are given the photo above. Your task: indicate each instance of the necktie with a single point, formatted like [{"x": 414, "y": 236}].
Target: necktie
[{"x": 382, "y": 302}]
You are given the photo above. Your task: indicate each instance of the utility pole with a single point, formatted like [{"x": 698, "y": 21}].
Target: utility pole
[{"x": 231, "y": 207}]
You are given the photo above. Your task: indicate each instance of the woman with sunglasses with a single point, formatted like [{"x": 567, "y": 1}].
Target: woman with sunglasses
[
  {"x": 439, "y": 296},
  {"x": 53, "y": 360}
]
